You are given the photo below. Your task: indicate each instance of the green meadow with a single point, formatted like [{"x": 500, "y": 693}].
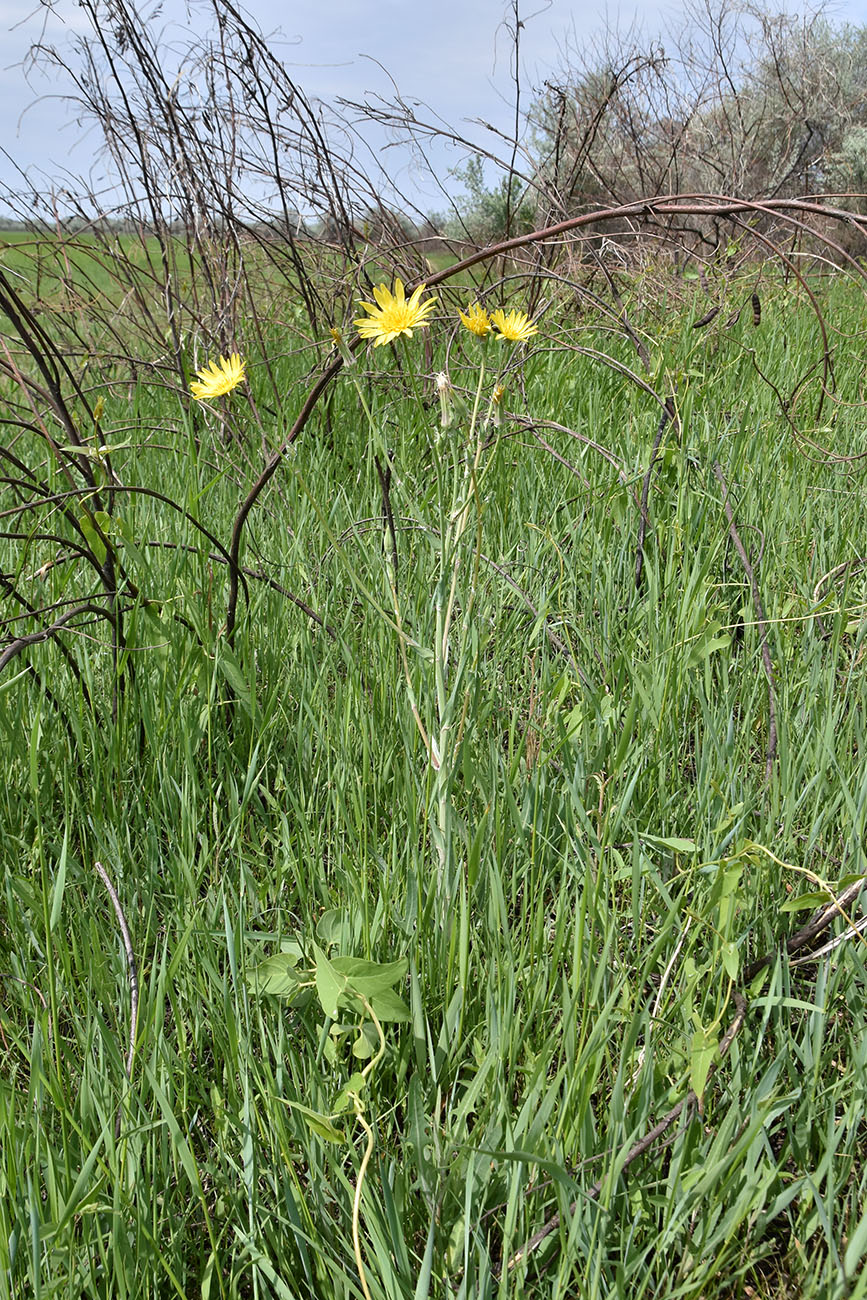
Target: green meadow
[{"x": 436, "y": 892}]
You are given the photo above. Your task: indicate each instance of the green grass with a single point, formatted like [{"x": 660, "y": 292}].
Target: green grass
[{"x": 279, "y": 796}]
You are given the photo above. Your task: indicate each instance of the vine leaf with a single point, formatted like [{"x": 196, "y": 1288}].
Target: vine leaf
[
  {"x": 705, "y": 1044},
  {"x": 319, "y": 1124},
  {"x": 352, "y": 981}
]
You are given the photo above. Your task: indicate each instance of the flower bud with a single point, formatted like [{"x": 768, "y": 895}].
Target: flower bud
[
  {"x": 447, "y": 405},
  {"x": 496, "y": 402}
]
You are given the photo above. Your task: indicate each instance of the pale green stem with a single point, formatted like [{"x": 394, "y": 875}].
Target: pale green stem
[
  {"x": 356, "y": 1201},
  {"x": 374, "y": 1061},
  {"x": 379, "y": 442},
  {"x": 368, "y": 1151},
  {"x": 451, "y": 536}
]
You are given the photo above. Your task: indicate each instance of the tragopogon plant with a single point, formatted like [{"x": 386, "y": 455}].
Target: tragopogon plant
[{"x": 451, "y": 515}]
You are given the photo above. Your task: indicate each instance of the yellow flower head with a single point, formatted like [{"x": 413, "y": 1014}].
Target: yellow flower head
[
  {"x": 394, "y": 314},
  {"x": 336, "y": 336},
  {"x": 218, "y": 378},
  {"x": 516, "y": 327},
  {"x": 476, "y": 320}
]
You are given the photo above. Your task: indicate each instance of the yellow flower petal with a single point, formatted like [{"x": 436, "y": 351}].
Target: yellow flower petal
[
  {"x": 517, "y": 327},
  {"x": 393, "y": 315},
  {"x": 477, "y": 320},
  {"x": 219, "y": 378}
]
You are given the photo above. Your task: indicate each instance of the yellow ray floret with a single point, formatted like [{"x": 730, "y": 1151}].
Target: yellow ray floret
[
  {"x": 393, "y": 314},
  {"x": 516, "y": 327},
  {"x": 218, "y": 378},
  {"x": 477, "y": 320}
]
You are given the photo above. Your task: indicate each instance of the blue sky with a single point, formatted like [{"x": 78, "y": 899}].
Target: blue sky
[{"x": 453, "y": 55}]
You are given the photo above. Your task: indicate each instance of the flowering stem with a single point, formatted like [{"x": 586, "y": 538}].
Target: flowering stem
[
  {"x": 455, "y": 521},
  {"x": 391, "y": 575}
]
